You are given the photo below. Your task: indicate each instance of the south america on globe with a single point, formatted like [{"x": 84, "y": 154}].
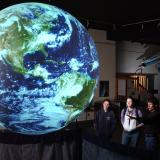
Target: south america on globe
[{"x": 48, "y": 68}]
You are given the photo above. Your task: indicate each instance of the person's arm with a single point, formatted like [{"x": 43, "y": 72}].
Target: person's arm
[
  {"x": 132, "y": 117},
  {"x": 122, "y": 117},
  {"x": 139, "y": 125},
  {"x": 140, "y": 119},
  {"x": 152, "y": 119},
  {"x": 145, "y": 120}
]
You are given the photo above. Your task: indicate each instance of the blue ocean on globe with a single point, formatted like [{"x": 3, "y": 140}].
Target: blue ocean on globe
[{"x": 49, "y": 68}]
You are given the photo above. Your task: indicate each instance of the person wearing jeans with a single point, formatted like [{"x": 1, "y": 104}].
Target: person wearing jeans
[
  {"x": 151, "y": 128},
  {"x": 151, "y": 142},
  {"x": 131, "y": 127},
  {"x": 130, "y": 138}
]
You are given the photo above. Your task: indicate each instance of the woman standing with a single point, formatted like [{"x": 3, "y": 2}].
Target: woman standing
[{"x": 105, "y": 121}]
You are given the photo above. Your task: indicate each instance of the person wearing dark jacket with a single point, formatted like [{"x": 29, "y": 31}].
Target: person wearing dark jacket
[
  {"x": 151, "y": 128},
  {"x": 105, "y": 121}
]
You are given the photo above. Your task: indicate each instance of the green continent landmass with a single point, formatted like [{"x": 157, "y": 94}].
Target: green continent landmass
[
  {"x": 73, "y": 92},
  {"x": 17, "y": 41},
  {"x": 14, "y": 41},
  {"x": 21, "y": 35},
  {"x": 79, "y": 101}
]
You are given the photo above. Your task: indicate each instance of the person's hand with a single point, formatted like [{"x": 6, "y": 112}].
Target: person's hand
[
  {"x": 131, "y": 117},
  {"x": 139, "y": 125}
]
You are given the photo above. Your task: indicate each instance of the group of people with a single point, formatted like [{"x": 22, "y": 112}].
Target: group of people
[{"x": 133, "y": 119}]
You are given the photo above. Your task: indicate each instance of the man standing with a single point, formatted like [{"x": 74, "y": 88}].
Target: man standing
[
  {"x": 151, "y": 126},
  {"x": 131, "y": 127}
]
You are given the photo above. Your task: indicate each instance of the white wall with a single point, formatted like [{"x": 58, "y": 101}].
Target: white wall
[
  {"x": 107, "y": 59},
  {"x": 127, "y": 53}
]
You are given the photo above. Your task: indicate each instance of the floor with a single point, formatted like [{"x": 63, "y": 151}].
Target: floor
[{"x": 117, "y": 134}]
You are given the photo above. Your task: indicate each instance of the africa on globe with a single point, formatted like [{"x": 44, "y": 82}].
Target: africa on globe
[{"x": 48, "y": 68}]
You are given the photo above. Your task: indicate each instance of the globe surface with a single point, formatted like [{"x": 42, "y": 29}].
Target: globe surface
[{"x": 48, "y": 68}]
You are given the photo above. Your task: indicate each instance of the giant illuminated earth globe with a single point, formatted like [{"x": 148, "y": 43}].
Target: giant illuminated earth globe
[{"x": 48, "y": 68}]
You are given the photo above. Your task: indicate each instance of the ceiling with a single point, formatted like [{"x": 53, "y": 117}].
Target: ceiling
[{"x": 123, "y": 20}]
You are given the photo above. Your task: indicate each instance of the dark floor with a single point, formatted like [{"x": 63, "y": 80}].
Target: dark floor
[{"x": 117, "y": 134}]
